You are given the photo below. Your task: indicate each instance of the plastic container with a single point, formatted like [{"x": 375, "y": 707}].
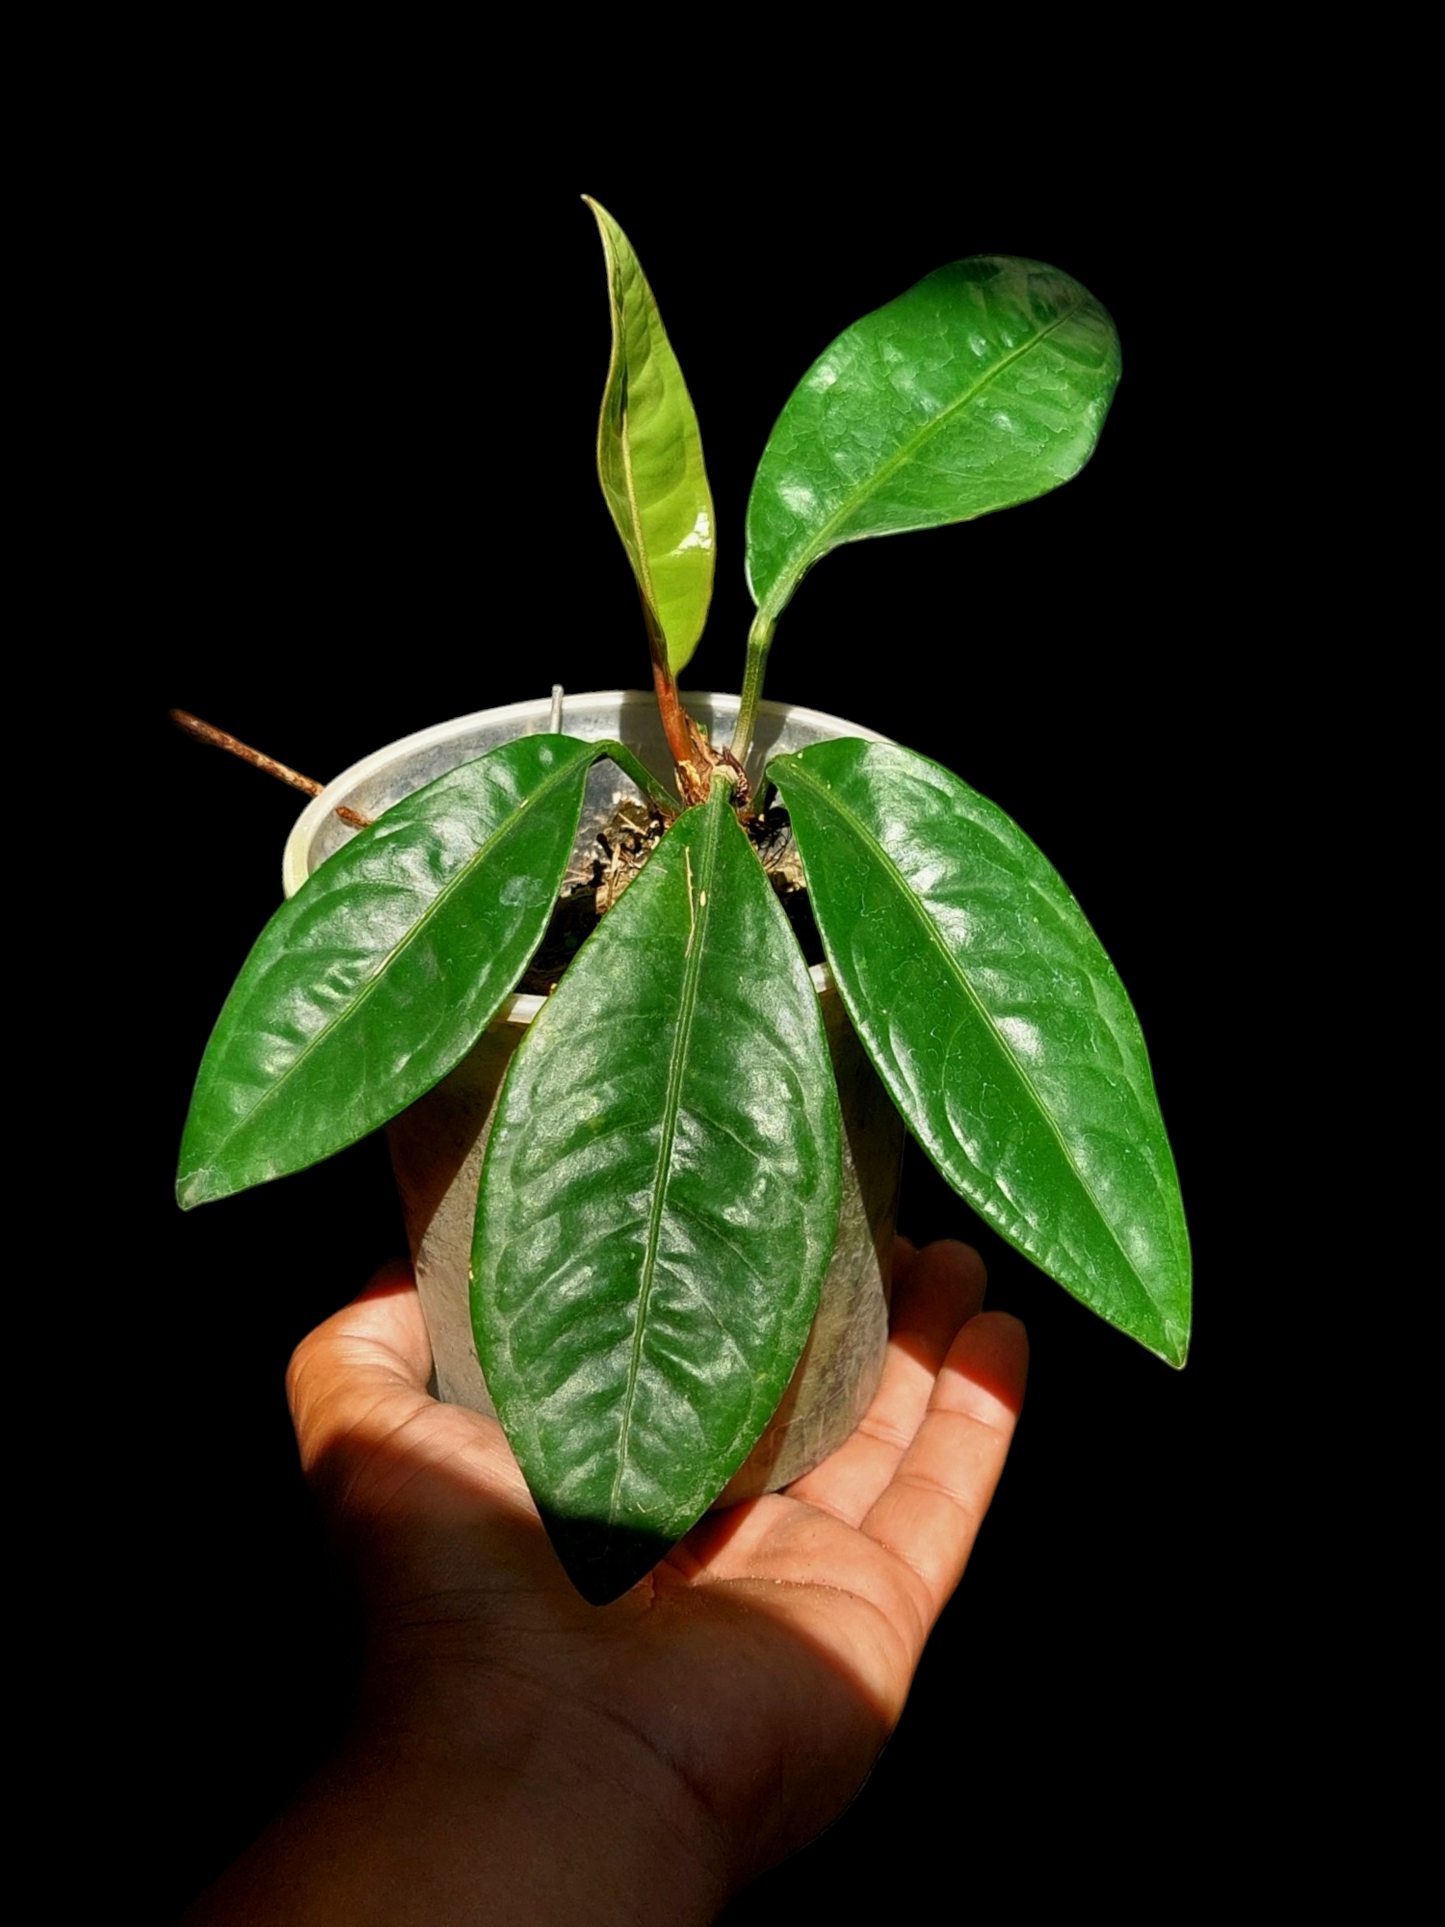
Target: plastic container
[{"x": 437, "y": 1144}]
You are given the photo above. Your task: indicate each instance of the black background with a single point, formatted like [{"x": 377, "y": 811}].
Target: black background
[{"x": 346, "y": 427}]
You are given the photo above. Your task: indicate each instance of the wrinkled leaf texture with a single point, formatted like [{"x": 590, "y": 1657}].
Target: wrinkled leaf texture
[
  {"x": 985, "y": 385},
  {"x": 381, "y": 972},
  {"x": 659, "y": 1205},
  {"x": 998, "y": 1024}
]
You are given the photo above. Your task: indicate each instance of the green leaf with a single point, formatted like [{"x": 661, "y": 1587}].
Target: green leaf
[
  {"x": 985, "y": 385},
  {"x": 649, "y": 458},
  {"x": 383, "y": 970},
  {"x": 998, "y": 1024},
  {"x": 659, "y": 1205}
]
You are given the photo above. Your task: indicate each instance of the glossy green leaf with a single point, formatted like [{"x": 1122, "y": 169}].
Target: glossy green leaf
[
  {"x": 649, "y": 458},
  {"x": 985, "y": 385},
  {"x": 658, "y": 1206},
  {"x": 382, "y": 971},
  {"x": 998, "y": 1024}
]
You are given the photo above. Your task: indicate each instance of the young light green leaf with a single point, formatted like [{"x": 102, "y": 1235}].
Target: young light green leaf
[
  {"x": 649, "y": 458},
  {"x": 985, "y": 385},
  {"x": 998, "y": 1024},
  {"x": 380, "y": 974},
  {"x": 658, "y": 1206}
]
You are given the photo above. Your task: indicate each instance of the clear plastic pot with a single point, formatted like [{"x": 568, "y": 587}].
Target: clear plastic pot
[{"x": 437, "y": 1144}]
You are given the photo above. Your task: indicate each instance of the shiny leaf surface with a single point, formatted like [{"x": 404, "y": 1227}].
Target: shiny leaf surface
[
  {"x": 658, "y": 1206},
  {"x": 381, "y": 972},
  {"x": 649, "y": 458},
  {"x": 998, "y": 1024},
  {"x": 985, "y": 385}
]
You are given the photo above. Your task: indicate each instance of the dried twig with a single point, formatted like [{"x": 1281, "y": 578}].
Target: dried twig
[{"x": 207, "y": 733}]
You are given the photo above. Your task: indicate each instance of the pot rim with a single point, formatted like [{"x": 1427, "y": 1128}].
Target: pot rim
[{"x": 523, "y": 1006}]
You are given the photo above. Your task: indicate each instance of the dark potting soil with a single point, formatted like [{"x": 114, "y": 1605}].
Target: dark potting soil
[{"x": 601, "y": 872}]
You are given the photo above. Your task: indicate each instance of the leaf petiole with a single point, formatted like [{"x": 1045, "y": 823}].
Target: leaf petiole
[
  {"x": 760, "y": 637},
  {"x": 657, "y": 793}
]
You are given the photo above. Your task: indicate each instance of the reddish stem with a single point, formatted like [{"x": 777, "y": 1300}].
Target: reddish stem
[{"x": 218, "y": 739}]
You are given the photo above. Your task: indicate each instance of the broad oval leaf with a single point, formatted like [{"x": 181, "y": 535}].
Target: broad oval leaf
[
  {"x": 649, "y": 459},
  {"x": 658, "y": 1206},
  {"x": 985, "y": 385},
  {"x": 382, "y": 971},
  {"x": 997, "y": 1022}
]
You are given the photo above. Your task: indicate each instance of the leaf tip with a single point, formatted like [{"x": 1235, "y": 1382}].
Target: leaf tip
[
  {"x": 1178, "y": 1352},
  {"x": 603, "y": 1559},
  {"x": 196, "y": 1187},
  {"x": 1170, "y": 1337},
  {"x": 599, "y": 214}
]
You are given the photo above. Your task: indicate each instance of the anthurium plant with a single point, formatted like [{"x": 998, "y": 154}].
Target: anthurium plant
[{"x": 660, "y": 1196}]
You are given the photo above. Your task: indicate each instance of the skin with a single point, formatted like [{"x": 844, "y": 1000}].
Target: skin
[{"x": 520, "y": 1756}]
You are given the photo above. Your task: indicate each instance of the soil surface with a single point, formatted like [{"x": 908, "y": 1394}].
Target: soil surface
[{"x": 600, "y": 872}]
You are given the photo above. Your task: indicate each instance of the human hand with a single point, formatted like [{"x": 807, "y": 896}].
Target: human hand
[{"x": 521, "y": 1755}]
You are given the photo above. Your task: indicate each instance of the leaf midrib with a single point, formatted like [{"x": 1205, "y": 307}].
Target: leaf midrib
[
  {"x": 925, "y": 922},
  {"x": 718, "y": 806},
  {"x": 782, "y": 594},
  {"x": 356, "y": 1004},
  {"x": 639, "y": 536}
]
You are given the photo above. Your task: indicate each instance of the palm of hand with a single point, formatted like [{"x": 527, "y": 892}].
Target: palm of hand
[{"x": 749, "y": 1683}]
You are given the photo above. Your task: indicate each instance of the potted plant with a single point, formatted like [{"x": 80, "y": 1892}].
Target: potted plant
[{"x": 659, "y": 1199}]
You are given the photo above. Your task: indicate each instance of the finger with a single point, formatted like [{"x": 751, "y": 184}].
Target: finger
[
  {"x": 930, "y": 1513},
  {"x": 377, "y": 1343},
  {"x": 357, "y": 1387},
  {"x": 384, "y": 1322},
  {"x": 935, "y": 1292},
  {"x": 377, "y": 1448}
]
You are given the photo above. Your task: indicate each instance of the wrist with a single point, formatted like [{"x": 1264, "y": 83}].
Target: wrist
[
  {"x": 540, "y": 1830},
  {"x": 547, "y": 1808}
]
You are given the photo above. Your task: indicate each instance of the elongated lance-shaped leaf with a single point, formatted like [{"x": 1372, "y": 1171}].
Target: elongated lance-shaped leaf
[
  {"x": 381, "y": 972},
  {"x": 658, "y": 1206},
  {"x": 985, "y": 385},
  {"x": 995, "y": 1019},
  {"x": 649, "y": 458}
]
